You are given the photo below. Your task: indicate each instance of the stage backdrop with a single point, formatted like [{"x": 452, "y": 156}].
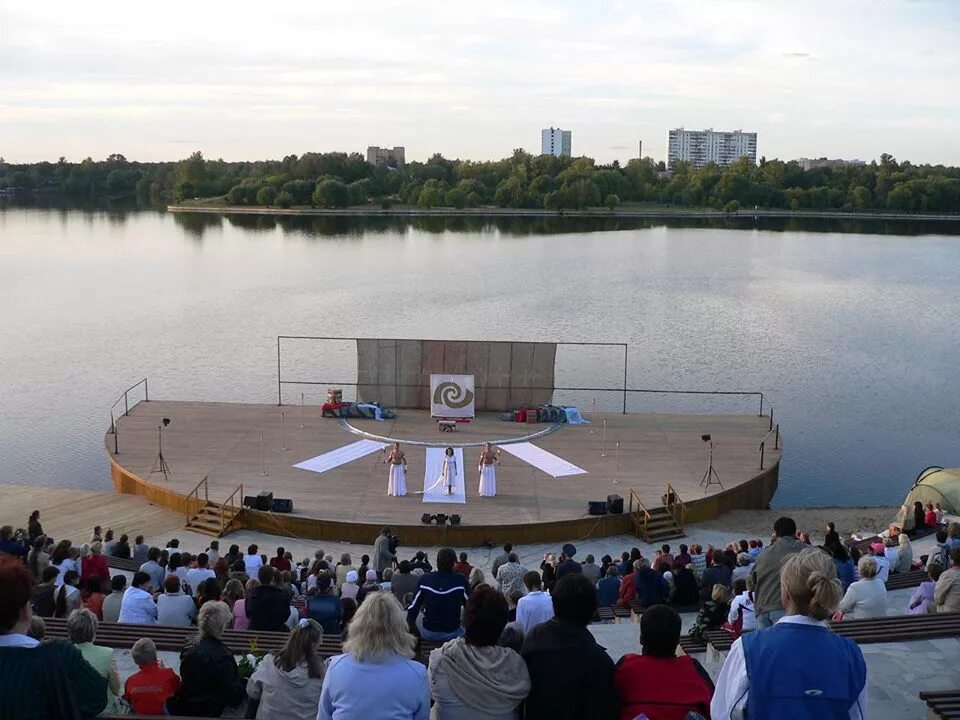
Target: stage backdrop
[
  {"x": 452, "y": 396},
  {"x": 396, "y": 373}
]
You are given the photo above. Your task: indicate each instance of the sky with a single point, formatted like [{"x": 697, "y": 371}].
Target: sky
[{"x": 253, "y": 80}]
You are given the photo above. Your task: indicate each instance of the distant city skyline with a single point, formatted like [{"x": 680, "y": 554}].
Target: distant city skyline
[{"x": 815, "y": 79}]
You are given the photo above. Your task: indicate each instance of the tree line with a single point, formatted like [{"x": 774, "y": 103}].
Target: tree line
[{"x": 338, "y": 180}]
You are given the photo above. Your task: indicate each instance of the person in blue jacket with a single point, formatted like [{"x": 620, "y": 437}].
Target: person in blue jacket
[{"x": 651, "y": 587}]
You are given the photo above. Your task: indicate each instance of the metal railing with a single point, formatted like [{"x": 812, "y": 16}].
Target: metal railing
[
  {"x": 675, "y": 506},
  {"x": 195, "y": 494},
  {"x": 642, "y": 527},
  {"x": 125, "y": 397},
  {"x": 236, "y": 510},
  {"x": 775, "y": 431}
]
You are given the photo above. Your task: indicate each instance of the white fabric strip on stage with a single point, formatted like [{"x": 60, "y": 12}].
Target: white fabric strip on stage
[
  {"x": 542, "y": 460},
  {"x": 433, "y": 490},
  {"x": 341, "y": 456}
]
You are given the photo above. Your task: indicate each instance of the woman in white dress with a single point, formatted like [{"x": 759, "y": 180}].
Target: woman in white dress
[
  {"x": 448, "y": 476},
  {"x": 397, "y": 484},
  {"x": 488, "y": 473}
]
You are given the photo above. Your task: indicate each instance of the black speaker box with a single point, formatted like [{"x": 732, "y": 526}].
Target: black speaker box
[
  {"x": 250, "y": 501},
  {"x": 426, "y": 518},
  {"x": 596, "y": 507},
  {"x": 615, "y": 504},
  {"x": 264, "y": 500},
  {"x": 441, "y": 518},
  {"x": 285, "y": 505},
  {"x": 454, "y": 519}
]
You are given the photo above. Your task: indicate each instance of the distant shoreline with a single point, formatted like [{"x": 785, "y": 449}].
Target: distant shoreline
[{"x": 537, "y": 213}]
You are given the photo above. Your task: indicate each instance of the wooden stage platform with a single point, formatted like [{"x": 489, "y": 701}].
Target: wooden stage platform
[{"x": 222, "y": 442}]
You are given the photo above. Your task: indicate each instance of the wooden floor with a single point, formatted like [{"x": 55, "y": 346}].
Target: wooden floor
[
  {"x": 70, "y": 513},
  {"x": 223, "y": 442}
]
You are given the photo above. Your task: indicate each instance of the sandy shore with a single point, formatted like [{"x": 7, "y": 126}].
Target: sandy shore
[{"x": 759, "y": 523}]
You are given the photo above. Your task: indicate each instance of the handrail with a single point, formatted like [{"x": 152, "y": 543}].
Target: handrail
[
  {"x": 126, "y": 410},
  {"x": 196, "y": 491},
  {"x": 223, "y": 523},
  {"x": 776, "y": 442},
  {"x": 672, "y": 499},
  {"x": 647, "y": 517}
]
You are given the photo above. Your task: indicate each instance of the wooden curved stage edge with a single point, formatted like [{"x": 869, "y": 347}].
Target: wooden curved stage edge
[{"x": 755, "y": 493}]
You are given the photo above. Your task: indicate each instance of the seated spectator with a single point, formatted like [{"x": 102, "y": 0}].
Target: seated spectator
[
  {"x": 95, "y": 564},
  {"x": 343, "y": 567},
  {"x": 28, "y": 688},
  {"x": 628, "y": 588},
  {"x": 462, "y": 566},
  {"x": 267, "y": 605},
  {"x": 698, "y": 559},
  {"x": 651, "y": 588},
  {"x": 108, "y": 544},
  {"x": 929, "y": 516},
  {"x": 441, "y": 595},
  {"x": 608, "y": 589},
  {"x": 175, "y": 607},
  {"x": 742, "y": 569},
  {"x": 63, "y": 559},
  {"x": 153, "y": 569},
  {"x": 892, "y": 552},
  {"x": 279, "y": 562},
  {"x": 867, "y": 597},
  {"x": 625, "y": 566},
  {"x": 683, "y": 557},
  {"x": 122, "y": 549},
  {"x": 947, "y": 590},
  {"x": 403, "y": 581},
  {"x": 350, "y": 588},
  {"x": 922, "y": 602},
  {"x": 883, "y": 564},
  {"x": 939, "y": 513},
  {"x": 348, "y": 607},
  {"x": 742, "y": 614},
  {"x": 472, "y": 676},
  {"x": 713, "y": 614},
  {"x": 68, "y": 596},
  {"x": 940, "y": 553},
  {"x": 38, "y": 628},
  {"x": 718, "y": 573},
  {"x": 208, "y": 672},
  {"x": 140, "y": 551},
  {"x": 137, "y": 605},
  {"x": 571, "y": 676},
  {"x": 38, "y": 560},
  {"x": 664, "y": 556},
  {"x": 370, "y": 585},
  {"x": 536, "y": 606},
  {"x": 475, "y": 579},
  {"x": 904, "y": 555},
  {"x": 232, "y": 591},
  {"x": 387, "y": 584},
  {"x": 591, "y": 569},
  {"x": 209, "y": 591},
  {"x": 806, "y": 670},
  {"x": 421, "y": 562},
  {"x": 82, "y": 630},
  {"x": 658, "y": 684},
  {"x": 43, "y": 597},
  {"x": 567, "y": 562},
  {"x": 842, "y": 562},
  {"x": 240, "y": 619},
  {"x": 233, "y": 554},
  {"x": 252, "y": 562},
  {"x": 239, "y": 573},
  {"x": 91, "y": 597},
  {"x": 196, "y": 576},
  {"x": 287, "y": 684},
  {"x": 148, "y": 689},
  {"x": 324, "y": 607},
  {"x": 111, "y": 603},
  {"x": 686, "y": 592},
  {"x": 376, "y": 670}
]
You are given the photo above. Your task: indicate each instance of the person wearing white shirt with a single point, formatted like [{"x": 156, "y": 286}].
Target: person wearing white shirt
[
  {"x": 201, "y": 572},
  {"x": 883, "y": 566},
  {"x": 536, "y": 606},
  {"x": 807, "y": 670},
  {"x": 892, "y": 554},
  {"x": 138, "y": 605},
  {"x": 744, "y": 602},
  {"x": 867, "y": 597},
  {"x": 252, "y": 561}
]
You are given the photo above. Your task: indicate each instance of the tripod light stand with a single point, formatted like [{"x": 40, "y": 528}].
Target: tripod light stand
[
  {"x": 161, "y": 462},
  {"x": 710, "y": 476}
]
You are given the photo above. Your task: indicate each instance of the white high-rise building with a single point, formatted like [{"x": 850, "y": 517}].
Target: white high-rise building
[
  {"x": 554, "y": 141},
  {"x": 700, "y": 147}
]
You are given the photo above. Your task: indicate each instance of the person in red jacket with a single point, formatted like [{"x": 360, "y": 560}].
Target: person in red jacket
[
  {"x": 659, "y": 685},
  {"x": 96, "y": 564},
  {"x": 147, "y": 690},
  {"x": 627, "y": 589}
]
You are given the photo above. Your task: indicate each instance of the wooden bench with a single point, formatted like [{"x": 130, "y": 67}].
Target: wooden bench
[
  {"x": 944, "y": 704},
  {"x": 122, "y": 564},
  {"x": 691, "y": 645},
  {"x": 910, "y": 579},
  {"x": 637, "y": 610}
]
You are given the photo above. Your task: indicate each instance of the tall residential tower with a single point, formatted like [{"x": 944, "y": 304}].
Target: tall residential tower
[
  {"x": 554, "y": 141},
  {"x": 700, "y": 147}
]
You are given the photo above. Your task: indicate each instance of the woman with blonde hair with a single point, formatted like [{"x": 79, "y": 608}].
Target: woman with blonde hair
[
  {"x": 82, "y": 628},
  {"x": 904, "y": 555},
  {"x": 476, "y": 579},
  {"x": 798, "y": 667},
  {"x": 343, "y": 567},
  {"x": 233, "y": 591},
  {"x": 377, "y": 658},
  {"x": 287, "y": 684},
  {"x": 240, "y": 619}
]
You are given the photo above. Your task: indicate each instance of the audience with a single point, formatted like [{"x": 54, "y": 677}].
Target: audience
[
  {"x": 34, "y": 528},
  {"x": 940, "y": 554},
  {"x": 370, "y": 585},
  {"x": 798, "y": 668},
  {"x": 91, "y": 597},
  {"x": 842, "y": 562},
  {"x": 286, "y": 685},
  {"x": 403, "y": 581},
  {"x": 658, "y": 684},
  {"x": 713, "y": 614},
  {"x": 148, "y": 689},
  {"x": 501, "y": 559},
  {"x": 137, "y": 605},
  {"x": 571, "y": 675},
  {"x": 867, "y": 597},
  {"x": 140, "y": 550},
  {"x": 567, "y": 563},
  {"x": 110, "y": 609},
  {"x": 383, "y": 555},
  {"x": 548, "y": 571},
  {"x": 68, "y": 596},
  {"x": 462, "y": 566},
  {"x": 208, "y": 672},
  {"x": 510, "y": 575},
  {"x": 152, "y": 568},
  {"x": 267, "y": 606},
  {"x": 122, "y": 549},
  {"x": 441, "y": 595},
  {"x": 947, "y": 591},
  {"x": 922, "y": 601},
  {"x": 590, "y": 569},
  {"x": 240, "y": 619},
  {"x": 628, "y": 589},
  {"x": 38, "y": 560},
  {"x": 475, "y": 579},
  {"x": 350, "y": 588},
  {"x": 196, "y": 576},
  {"x": 878, "y": 552},
  {"x": 686, "y": 592},
  {"x": 175, "y": 607},
  {"x": 279, "y": 562},
  {"x": 324, "y": 606},
  {"x": 651, "y": 588},
  {"x": 536, "y": 606},
  {"x": 472, "y": 677},
  {"x": 766, "y": 572},
  {"x": 82, "y": 630},
  {"x": 252, "y": 562},
  {"x": 904, "y": 554},
  {"x": 375, "y": 677},
  {"x": 43, "y": 596},
  {"x": 608, "y": 589}
]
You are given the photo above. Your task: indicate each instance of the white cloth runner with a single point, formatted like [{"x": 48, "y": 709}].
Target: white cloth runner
[
  {"x": 433, "y": 490},
  {"x": 542, "y": 460},
  {"x": 341, "y": 456}
]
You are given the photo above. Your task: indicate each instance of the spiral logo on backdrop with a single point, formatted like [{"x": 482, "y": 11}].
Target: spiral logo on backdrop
[{"x": 452, "y": 396}]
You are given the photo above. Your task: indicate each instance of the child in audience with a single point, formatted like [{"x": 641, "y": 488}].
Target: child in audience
[
  {"x": 921, "y": 602},
  {"x": 147, "y": 690}
]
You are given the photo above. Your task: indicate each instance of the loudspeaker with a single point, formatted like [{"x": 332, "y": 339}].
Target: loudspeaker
[
  {"x": 284, "y": 505},
  {"x": 250, "y": 501},
  {"x": 454, "y": 519},
  {"x": 264, "y": 500},
  {"x": 441, "y": 518},
  {"x": 615, "y": 504},
  {"x": 426, "y": 518},
  {"x": 596, "y": 507}
]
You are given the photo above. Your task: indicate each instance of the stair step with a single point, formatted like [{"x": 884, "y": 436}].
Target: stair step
[{"x": 203, "y": 530}]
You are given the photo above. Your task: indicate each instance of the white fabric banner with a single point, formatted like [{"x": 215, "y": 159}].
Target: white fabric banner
[
  {"x": 452, "y": 396},
  {"x": 433, "y": 487},
  {"x": 542, "y": 460},
  {"x": 341, "y": 456}
]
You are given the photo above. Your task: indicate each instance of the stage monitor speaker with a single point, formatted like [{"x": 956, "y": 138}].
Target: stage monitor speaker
[
  {"x": 615, "y": 504},
  {"x": 454, "y": 519},
  {"x": 250, "y": 501},
  {"x": 441, "y": 518},
  {"x": 596, "y": 507},
  {"x": 426, "y": 518},
  {"x": 264, "y": 500},
  {"x": 282, "y": 505}
]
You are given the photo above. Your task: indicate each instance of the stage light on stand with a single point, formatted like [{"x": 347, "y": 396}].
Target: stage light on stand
[
  {"x": 710, "y": 476},
  {"x": 161, "y": 462}
]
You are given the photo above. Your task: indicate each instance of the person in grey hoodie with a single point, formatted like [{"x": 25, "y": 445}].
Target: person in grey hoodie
[
  {"x": 766, "y": 573},
  {"x": 175, "y": 607},
  {"x": 287, "y": 684}
]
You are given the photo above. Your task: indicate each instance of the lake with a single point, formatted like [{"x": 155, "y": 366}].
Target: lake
[{"x": 850, "y": 328}]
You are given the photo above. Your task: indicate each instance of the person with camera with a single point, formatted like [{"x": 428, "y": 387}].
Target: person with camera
[
  {"x": 383, "y": 556},
  {"x": 13, "y": 543}
]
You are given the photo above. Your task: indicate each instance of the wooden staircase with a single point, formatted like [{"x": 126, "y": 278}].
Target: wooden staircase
[
  {"x": 660, "y": 523},
  {"x": 212, "y": 518}
]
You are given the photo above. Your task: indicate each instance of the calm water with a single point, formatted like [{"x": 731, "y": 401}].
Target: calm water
[{"x": 853, "y": 335}]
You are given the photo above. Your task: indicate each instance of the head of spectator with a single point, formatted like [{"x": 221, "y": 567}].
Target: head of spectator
[
  {"x": 867, "y": 567},
  {"x": 568, "y": 551},
  {"x": 118, "y": 583},
  {"x": 209, "y": 591},
  {"x": 588, "y": 559},
  {"x": 739, "y": 587},
  {"x": 612, "y": 571},
  {"x": 511, "y": 558},
  {"x": 82, "y": 626},
  {"x": 743, "y": 559},
  {"x": 446, "y": 559},
  {"x": 153, "y": 554},
  {"x": 213, "y": 618},
  {"x": 511, "y": 637},
  {"x": 378, "y": 631},
  {"x": 785, "y": 527},
  {"x": 232, "y": 592},
  {"x": 221, "y": 569},
  {"x": 955, "y": 557},
  {"x": 15, "y": 610},
  {"x": 476, "y": 578},
  {"x": 202, "y": 560},
  {"x": 809, "y": 584},
  {"x": 173, "y": 562},
  {"x": 97, "y": 533},
  {"x": 463, "y": 557},
  {"x": 61, "y": 552},
  {"x": 484, "y": 617},
  {"x": 574, "y": 599},
  {"x": 507, "y": 547},
  {"x": 144, "y": 652},
  {"x": 934, "y": 571},
  {"x": 38, "y": 628},
  {"x": 302, "y": 648},
  {"x": 371, "y": 577},
  {"x": 345, "y": 559},
  {"x": 234, "y": 549},
  {"x": 265, "y": 575},
  {"x": 403, "y": 567},
  {"x": 252, "y": 549},
  {"x": 141, "y": 580},
  {"x": 720, "y": 594},
  {"x": 660, "y": 631},
  {"x": 171, "y": 585},
  {"x": 352, "y": 577},
  {"x": 532, "y": 581}
]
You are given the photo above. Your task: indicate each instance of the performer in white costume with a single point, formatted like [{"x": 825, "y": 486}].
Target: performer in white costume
[
  {"x": 488, "y": 473},
  {"x": 397, "y": 483},
  {"x": 448, "y": 476}
]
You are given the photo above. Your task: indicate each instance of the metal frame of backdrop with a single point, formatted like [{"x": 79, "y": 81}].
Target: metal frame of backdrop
[{"x": 623, "y": 389}]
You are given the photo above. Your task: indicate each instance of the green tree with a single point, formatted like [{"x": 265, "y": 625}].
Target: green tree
[
  {"x": 611, "y": 201},
  {"x": 284, "y": 199},
  {"x": 456, "y": 198},
  {"x": 331, "y": 194},
  {"x": 266, "y": 195}
]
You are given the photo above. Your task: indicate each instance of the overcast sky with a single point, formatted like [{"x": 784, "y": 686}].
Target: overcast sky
[{"x": 252, "y": 80}]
